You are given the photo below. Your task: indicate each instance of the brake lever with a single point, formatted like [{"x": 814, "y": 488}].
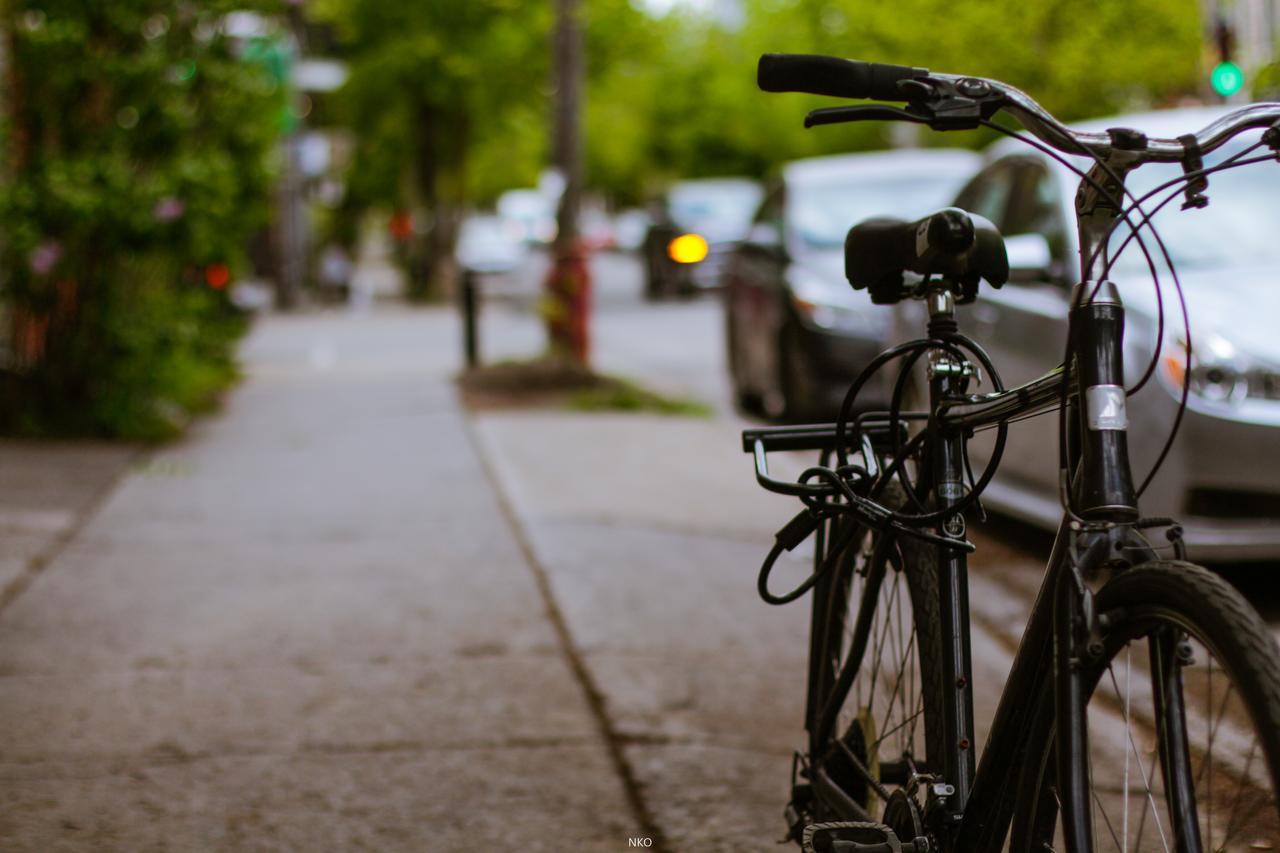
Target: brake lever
[
  {"x": 942, "y": 104},
  {"x": 864, "y": 112}
]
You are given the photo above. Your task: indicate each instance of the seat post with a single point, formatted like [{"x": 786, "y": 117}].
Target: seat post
[{"x": 942, "y": 311}]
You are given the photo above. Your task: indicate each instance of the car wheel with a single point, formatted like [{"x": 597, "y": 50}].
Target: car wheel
[
  {"x": 652, "y": 284},
  {"x": 747, "y": 401},
  {"x": 790, "y": 398}
]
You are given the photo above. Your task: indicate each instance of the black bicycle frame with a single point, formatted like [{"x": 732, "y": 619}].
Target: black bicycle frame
[
  {"x": 1102, "y": 497},
  {"x": 1044, "y": 696},
  {"x": 1098, "y": 491}
]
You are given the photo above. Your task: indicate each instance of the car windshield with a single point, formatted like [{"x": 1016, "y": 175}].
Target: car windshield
[
  {"x": 1237, "y": 229},
  {"x": 722, "y": 209},
  {"x": 821, "y": 213}
]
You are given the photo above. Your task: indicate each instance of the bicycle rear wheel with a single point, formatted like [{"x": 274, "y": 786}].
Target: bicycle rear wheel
[
  {"x": 1183, "y": 721},
  {"x": 875, "y": 701}
]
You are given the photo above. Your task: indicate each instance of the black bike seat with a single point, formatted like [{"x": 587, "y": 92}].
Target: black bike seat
[{"x": 952, "y": 243}]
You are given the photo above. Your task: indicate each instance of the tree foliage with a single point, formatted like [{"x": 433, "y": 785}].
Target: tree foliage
[
  {"x": 450, "y": 101},
  {"x": 136, "y": 148},
  {"x": 684, "y": 102},
  {"x": 446, "y": 100}
]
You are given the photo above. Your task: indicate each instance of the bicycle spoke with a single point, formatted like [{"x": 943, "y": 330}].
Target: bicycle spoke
[
  {"x": 1128, "y": 666},
  {"x": 1235, "y": 803},
  {"x": 902, "y": 668},
  {"x": 1094, "y": 808},
  {"x": 1099, "y": 807},
  {"x": 1208, "y": 758},
  {"x": 879, "y": 651},
  {"x": 1128, "y": 729},
  {"x": 917, "y": 698},
  {"x": 910, "y": 719}
]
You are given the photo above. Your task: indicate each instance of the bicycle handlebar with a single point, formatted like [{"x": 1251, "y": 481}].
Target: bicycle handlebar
[
  {"x": 829, "y": 75},
  {"x": 927, "y": 94},
  {"x": 1041, "y": 123}
]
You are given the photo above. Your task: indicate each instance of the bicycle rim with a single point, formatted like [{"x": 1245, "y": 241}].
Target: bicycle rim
[{"x": 1183, "y": 743}]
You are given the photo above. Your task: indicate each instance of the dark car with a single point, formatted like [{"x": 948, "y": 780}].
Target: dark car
[
  {"x": 694, "y": 226},
  {"x": 797, "y": 333}
]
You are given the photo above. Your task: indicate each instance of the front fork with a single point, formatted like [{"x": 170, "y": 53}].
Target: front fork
[{"x": 1098, "y": 488}]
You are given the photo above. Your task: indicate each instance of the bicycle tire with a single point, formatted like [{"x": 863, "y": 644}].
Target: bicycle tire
[
  {"x": 910, "y": 567},
  {"x": 1214, "y": 622}
]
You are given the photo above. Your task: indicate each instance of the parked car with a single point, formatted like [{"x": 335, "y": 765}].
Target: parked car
[
  {"x": 490, "y": 244},
  {"x": 1222, "y": 476},
  {"x": 533, "y": 212},
  {"x": 596, "y": 230},
  {"x": 797, "y": 333},
  {"x": 693, "y": 228},
  {"x": 630, "y": 227}
]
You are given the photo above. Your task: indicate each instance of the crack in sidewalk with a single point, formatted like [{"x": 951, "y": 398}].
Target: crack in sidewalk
[{"x": 614, "y": 741}]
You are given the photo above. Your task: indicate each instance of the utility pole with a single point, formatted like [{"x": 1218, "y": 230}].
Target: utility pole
[
  {"x": 291, "y": 236},
  {"x": 568, "y": 282}
]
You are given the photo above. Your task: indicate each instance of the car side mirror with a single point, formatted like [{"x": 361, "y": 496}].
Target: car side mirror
[{"x": 1030, "y": 258}]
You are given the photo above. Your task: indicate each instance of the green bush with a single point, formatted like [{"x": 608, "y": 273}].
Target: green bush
[
  {"x": 141, "y": 362},
  {"x": 172, "y": 353},
  {"x": 139, "y": 144}
]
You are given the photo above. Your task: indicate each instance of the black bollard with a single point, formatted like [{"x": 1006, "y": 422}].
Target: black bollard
[{"x": 470, "y": 343}]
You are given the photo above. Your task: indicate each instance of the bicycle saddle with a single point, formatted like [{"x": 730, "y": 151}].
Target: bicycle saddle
[{"x": 954, "y": 244}]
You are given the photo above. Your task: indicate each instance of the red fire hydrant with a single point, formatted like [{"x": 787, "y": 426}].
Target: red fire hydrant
[{"x": 568, "y": 289}]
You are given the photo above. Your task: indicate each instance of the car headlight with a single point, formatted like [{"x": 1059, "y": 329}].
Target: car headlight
[
  {"x": 1219, "y": 373},
  {"x": 828, "y": 307}
]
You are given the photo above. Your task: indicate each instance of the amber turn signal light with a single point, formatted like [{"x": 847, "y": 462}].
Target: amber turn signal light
[{"x": 687, "y": 248}]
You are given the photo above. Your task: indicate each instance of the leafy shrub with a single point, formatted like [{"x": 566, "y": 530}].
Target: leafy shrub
[{"x": 139, "y": 141}]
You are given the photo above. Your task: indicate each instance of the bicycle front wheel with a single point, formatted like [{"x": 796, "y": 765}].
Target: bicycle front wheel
[{"x": 1183, "y": 721}]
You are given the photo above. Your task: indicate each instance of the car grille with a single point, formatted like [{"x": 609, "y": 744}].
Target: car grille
[{"x": 1233, "y": 503}]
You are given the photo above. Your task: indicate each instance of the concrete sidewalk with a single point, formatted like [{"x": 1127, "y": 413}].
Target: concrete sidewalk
[
  {"x": 651, "y": 531},
  {"x": 47, "y": 490},
  {"x": 309, "y": 626},
  {"x": 344, "y": 614}
]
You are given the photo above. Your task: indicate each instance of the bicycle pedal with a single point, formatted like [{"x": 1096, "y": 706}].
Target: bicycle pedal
[
  {"x": 857, "y": 837},
  {"x": 797, "y": 811}
]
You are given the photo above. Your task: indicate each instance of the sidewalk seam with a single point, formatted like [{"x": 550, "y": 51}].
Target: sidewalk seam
[
  {"x": 614, "y": 741},
  {"x": 13, "y": 590}
]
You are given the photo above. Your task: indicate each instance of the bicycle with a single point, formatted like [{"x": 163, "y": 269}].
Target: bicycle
[{"x": 1142, "y": 710}]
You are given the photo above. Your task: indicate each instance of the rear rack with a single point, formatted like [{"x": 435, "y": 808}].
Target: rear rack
[
  {"x": 869, "y": 433},
  {"x": 875, "y": 425}
]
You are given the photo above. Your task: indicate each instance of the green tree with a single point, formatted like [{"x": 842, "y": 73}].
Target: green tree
[
  {"x": 684, "y": 102},
  {"x": 437, "y": 93},
  {"x": 136, "y": 151}
]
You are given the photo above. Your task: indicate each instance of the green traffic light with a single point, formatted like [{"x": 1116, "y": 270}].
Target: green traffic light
[{"x": 1226, "y": 79}]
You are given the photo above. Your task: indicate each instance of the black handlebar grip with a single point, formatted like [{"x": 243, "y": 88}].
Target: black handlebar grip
[{"x": 829, "y": 75}]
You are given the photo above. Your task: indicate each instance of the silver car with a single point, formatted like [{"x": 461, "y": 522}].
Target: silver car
[{"x": 1221, "y": 479}]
